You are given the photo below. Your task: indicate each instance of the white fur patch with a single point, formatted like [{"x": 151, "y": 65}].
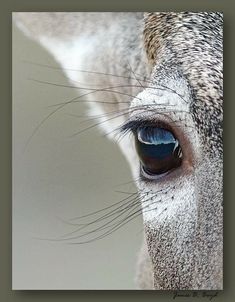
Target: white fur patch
[{"x": 70, "y": 54}]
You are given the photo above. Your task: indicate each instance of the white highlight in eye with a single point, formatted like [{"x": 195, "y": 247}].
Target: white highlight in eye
[{"x": 155, "y": 136}]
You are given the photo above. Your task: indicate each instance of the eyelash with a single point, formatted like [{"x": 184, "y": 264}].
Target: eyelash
[{"x": 131, "y": 127}]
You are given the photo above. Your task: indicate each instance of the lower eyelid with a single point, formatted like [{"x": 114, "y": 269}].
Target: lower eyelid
[
  {"x": 163, "y": 179},
  {"x": 153, "y": 177}
]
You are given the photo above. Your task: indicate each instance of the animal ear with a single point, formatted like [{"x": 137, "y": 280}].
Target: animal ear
[
  {"x": 107, "y": 81},
  {"x": 74, "y": 52}
]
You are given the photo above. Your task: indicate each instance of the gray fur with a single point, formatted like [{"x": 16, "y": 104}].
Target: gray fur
[{"x": 183, "y": 52}]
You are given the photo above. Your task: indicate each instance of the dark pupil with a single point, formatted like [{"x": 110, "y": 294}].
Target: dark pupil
[{"x": 159, "y": 151}]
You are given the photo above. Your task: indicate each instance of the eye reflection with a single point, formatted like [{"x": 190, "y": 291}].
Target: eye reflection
[{"x": 158, "y": 149}]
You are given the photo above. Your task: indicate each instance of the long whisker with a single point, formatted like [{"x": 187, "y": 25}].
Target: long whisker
[
  {"x": 103, "y": 209},
  {"x": 82, "y": 71},
  {"x": 122, "y": 222},
  {"x": 117, "y": 223},
  {"x": 110, "y": 74},
  {"x": 109, "y": 88},
  {"x": 117, "y": 214},
  {"x": 95, "y": 229},
  {"x": 53, "y": 112},
  {"x": 113, "y": 224},
  {"x": 135, "y": 75},
  {"x": 115, "y": 227}
]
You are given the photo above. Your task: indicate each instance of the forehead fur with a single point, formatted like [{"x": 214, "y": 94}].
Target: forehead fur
[{"x": 192, "y": 44}]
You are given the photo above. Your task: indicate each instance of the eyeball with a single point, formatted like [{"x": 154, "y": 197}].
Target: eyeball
[{"x": 158, "y": 150}]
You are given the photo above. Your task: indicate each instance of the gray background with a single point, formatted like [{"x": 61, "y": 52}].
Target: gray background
[
  {"x": 58, "y": 177},
  {"x": 6, "y": 293}
]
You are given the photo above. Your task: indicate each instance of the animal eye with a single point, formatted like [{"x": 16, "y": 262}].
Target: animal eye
[{"x": 159, "y": 151}]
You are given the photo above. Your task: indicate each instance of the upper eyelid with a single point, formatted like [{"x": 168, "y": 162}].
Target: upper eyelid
[
  {"x": 149, "y": 118},
  {"x": 134, "y": 125}
]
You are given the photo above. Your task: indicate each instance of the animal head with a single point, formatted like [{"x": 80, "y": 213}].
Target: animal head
[
  {"x": 184, "y": 229},
  {"x": 168, "y": 97}
]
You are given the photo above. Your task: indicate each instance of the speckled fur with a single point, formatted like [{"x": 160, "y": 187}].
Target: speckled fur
[{"x": 181, "y": 53}]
